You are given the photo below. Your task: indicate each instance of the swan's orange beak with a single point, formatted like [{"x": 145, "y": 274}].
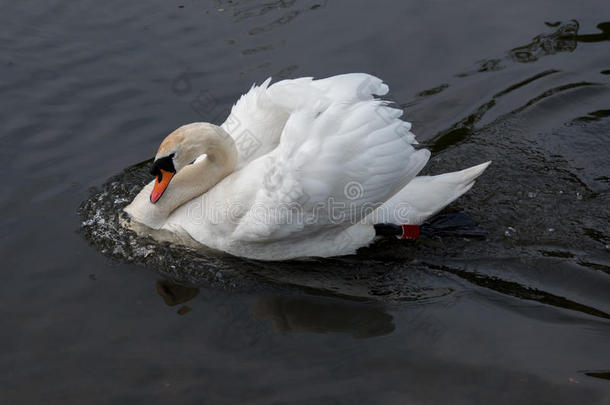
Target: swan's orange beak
[{"x": 161, "y": 184}]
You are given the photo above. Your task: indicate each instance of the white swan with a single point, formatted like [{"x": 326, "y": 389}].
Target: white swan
[{"x": 300, "y": 168}]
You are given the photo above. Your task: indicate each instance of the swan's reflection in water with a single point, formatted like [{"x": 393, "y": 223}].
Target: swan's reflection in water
[
  {"x": 297, "y": 314},
  {"x": 175, "y": 294}
]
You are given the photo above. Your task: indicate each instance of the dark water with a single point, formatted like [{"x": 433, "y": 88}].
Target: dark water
[{"x": 92, "y": 314}]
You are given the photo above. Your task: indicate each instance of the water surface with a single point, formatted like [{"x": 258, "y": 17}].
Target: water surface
[{"x": 93, "y": 314}]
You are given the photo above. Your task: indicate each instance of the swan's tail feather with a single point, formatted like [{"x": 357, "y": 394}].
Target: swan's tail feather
[
  {"x": 425, "y": 196},
  {"x": 453, "y": 185}
]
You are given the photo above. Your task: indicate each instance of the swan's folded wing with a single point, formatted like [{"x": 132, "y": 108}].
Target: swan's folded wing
[
  {"x": 351, "y": 87},
  {"x": 255, "y": 123},
  {"x": 336, "y": 162},
  {"x": 304, "y": 93},
  {"x": 258, "y": 118}
]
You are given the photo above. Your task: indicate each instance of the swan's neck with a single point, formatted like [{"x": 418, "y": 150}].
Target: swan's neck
[{"x": 191, "y": 181}]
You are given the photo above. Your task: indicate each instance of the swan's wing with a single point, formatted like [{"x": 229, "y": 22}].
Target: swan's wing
[
  {"x": 352, "y": 87},
  {"x": 304, "y": 93},
  {"x": 338, "y": 159},
  {"x": 257, "y": 119},
  {"x": 255, "y": 123}
]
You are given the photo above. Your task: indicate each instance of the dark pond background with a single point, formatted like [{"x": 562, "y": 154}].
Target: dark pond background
[{"x": 91, "y": 314}]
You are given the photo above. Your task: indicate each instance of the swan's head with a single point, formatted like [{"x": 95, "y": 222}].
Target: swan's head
[{"x": 183, "y": 147}]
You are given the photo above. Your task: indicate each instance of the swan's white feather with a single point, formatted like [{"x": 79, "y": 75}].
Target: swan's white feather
[
  {"x": 425, "y": 196},
  {"x": 255, "y": 123}
]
